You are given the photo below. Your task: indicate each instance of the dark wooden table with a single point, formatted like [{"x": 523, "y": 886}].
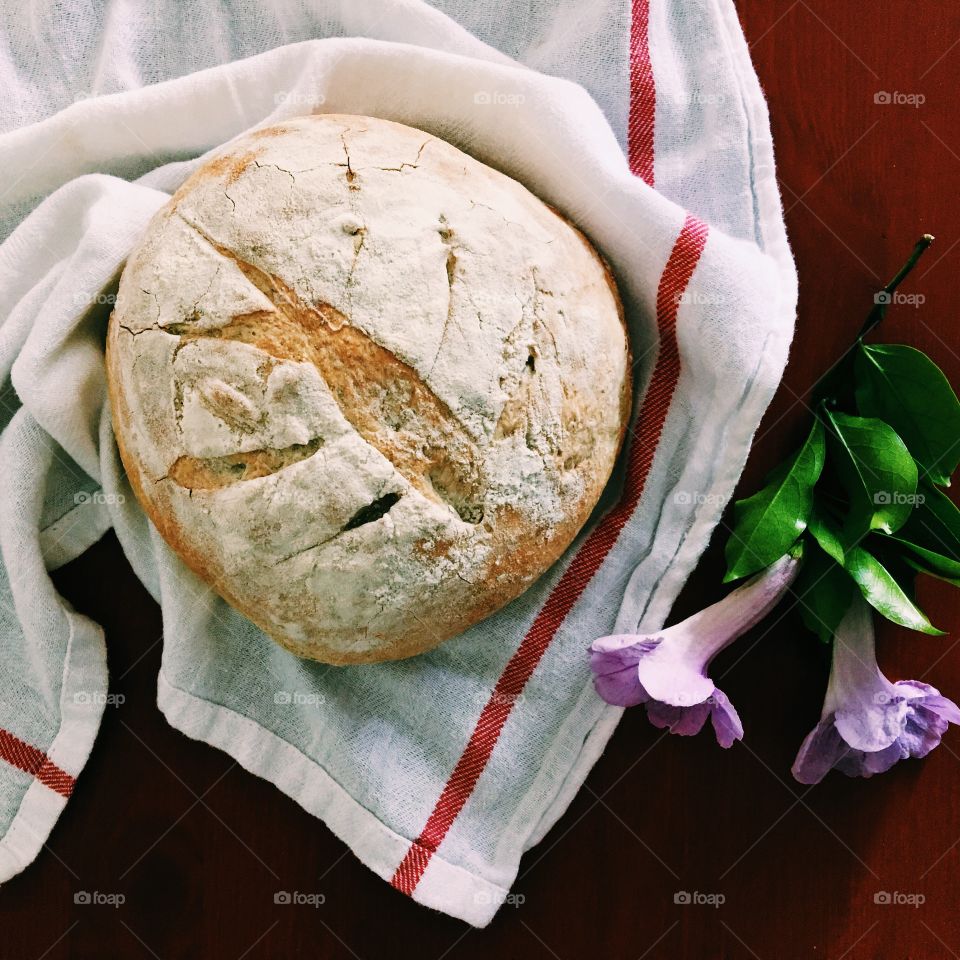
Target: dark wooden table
[{"x": 798, "y": 867}]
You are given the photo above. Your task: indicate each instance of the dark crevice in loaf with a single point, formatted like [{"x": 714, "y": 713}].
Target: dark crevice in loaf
[
  {"x": 383, "y": 398},
  {"x": 372, "y": 511}
]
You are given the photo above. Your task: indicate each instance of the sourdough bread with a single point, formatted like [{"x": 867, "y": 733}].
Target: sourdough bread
[{"x": 367, "y": 387}]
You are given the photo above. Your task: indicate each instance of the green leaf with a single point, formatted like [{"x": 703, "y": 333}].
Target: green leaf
[
  {"x": 905, "y": 388},
  {"x": 824, "y": 593},
  {"x": 929, "y": 561},
  {"x": 884, "y": 594},
  {"x": 827, "y": 535},
  {"x": 920, "y": 568},
  {"x": 877, "y": 472},
  {"x": 767, "y": 524},
  {"x": 935, "y": 524}
]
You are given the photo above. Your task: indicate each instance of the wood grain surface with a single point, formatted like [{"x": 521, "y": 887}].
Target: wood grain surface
[{"x": 199, "y": 847}]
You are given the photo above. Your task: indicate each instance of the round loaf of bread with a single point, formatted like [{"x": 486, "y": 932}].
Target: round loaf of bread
[{"x": 367, "y": 387}]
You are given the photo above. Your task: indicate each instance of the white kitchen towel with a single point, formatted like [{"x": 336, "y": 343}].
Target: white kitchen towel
[{"x": 441, "y": 770}]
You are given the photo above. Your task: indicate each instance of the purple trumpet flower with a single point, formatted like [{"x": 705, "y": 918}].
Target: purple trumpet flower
[
  {"x": 869, "y": 723},
  {"x": 667, "y": 670}
]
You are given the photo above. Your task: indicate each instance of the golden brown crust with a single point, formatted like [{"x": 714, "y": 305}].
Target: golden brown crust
[{"x": 490, "y": 547}]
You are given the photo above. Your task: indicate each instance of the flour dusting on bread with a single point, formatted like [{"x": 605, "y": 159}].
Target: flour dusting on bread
[{"x": 366, "y": 386}]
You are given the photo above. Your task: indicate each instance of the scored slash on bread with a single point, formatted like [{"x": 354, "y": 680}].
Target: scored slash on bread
[{"x": 366, "y": 387}]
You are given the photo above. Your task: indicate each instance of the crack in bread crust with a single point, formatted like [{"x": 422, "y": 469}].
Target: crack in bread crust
[
  {"x": 379, "y": 507},
  {"x": 354, "y": 552},
  {"x": 212, "y": 473},
  {"x": 383, "y": 398}
]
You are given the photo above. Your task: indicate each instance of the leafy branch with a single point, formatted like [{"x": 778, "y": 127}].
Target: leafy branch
[{"x": 861, "y": 496}]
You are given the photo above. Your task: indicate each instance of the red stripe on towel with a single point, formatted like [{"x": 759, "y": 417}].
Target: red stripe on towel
[
  {"x": 18, "y": 753},
  {"x": 643, "y": 95},
  {"x": 646, "y": 436}
]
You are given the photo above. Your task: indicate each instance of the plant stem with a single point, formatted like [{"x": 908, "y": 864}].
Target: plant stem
[
  {"x": 884, "y": 296},
  {"x": 835, "y": 382}
]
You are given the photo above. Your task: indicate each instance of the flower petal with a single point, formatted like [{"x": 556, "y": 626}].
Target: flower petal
[
  {"x": 725, "y": 719},
  {"x": 858, "y": 763},
  {"x": 685, "y": 721},
  {"x": 932, "y": 698},
  {"x": 943, "y": 707},
  {"x": 923, "y": 730},
  {"x": 911, "y": 689},
  {"x": 874, "y": 726},
  {"x": 820, "y": 751},
  {"x": 643, "y": 643},
  {"x": 670, "y": 678},
  {"x": 615, "y": 675}
]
